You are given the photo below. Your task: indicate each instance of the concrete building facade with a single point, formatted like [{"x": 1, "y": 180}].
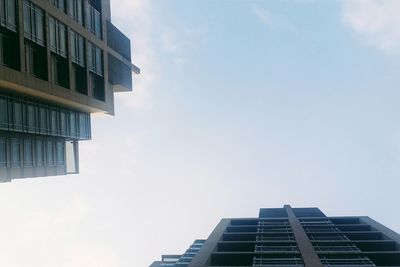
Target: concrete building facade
[
  {"x": 60, "y": 61},
  {"x": 299, "y": 237}
]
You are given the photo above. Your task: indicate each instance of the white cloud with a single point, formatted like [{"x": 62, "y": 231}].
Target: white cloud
[{"x": 376, "y": 20}]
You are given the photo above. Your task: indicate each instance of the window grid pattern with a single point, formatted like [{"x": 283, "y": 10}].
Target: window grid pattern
[
  {"x": 287, "y": 261},
  {"x": 8, "y": 14},
  {"x": 33, "y": 23},
  {"x": 33, "y": 117}
]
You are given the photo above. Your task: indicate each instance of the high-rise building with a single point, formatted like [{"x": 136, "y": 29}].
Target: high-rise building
[
  {"x": 299, "y": 237},
  {"x": 60, "y": 61},
  {"x": 180, "y": 260}
]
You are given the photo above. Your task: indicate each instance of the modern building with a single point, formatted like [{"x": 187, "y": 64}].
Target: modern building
[
  {"x": 299, "y": 237},
  {"x": 180, "y": 260},
  {"x": 60, "y": 61}
]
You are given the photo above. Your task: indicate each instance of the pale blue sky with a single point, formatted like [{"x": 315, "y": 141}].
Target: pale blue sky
[{"x": 240, "y": 105}]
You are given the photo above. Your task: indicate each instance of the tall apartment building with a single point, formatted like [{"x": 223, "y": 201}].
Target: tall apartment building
[
  {"x": 298, "y": 237},
  {"x": 60, "y": 61}
]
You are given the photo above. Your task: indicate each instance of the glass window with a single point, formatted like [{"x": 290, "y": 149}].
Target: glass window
[
  {"x": 82, "y": 126},
  {"x": 15, "y": 152},
  {"x": 33, "y": 23},
  {"x": 77, "y": 49},
  {"x": 3, "y": 151},
  {"x": 43, "y": 120},
  {"x": 60, "y": 154},
  {"x": 72, "y": 124},
  {"x": 57, "y": 37},
  {"x": 17, "y": 115},
  {"x": 49, "y": 153},
  {"x": 28, "y": 157},
  {"x": 59, "y": 4},
  {"x": 63, "y": 123},
  {"x": 3, "y": 113},
  {"x": 30, "y": 109},
  {"x": 39, "y": 153},
  {"x": 53, "y": 122},
  {"x": 76, "y": 10},
  {"x": 7, "y": 14},
  {"x": 95, "y": 57},
  {"x": 93, "y": 20}
]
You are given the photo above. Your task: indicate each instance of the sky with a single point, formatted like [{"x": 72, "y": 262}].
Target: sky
[{"x": 240, "y": 104}]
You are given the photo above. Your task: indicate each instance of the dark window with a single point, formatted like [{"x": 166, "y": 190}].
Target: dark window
[
  {"x": 80, "y": 79},
  {"x": 93, "y": 20},
  {"x": 28, "y": 157},
  {"x": 97, "y": 86},
  {"x": 76, "y": 10},
  {"x": 59, "y": 4},
  {"x": 3, "y": 151},
  {"x": 39, "y": 153},
  {"x": 60, "y": 70},
  {"x": 7, "y": 15},
  {"x": 15, "y": 152},
  {"x": 58, "y": 40},
  {"x": 77, "y": 49},
  {"x": 33, "y": 23},
  {"x": 36, "y": 60}
]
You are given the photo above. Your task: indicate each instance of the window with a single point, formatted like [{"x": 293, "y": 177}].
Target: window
[
  {"x": 49, "y": 153},
  {"x": 39, "y": 153},
  {"x": 58, "y": 40},
  {"x": 76, "y": 10},
  {"x": 53, "y": 122},
  {"x": 36, "y": 60},
  {"x": 15, "y": 152},
  {"x": 28, "y": 157},
  {"x": 30, "y": 123},
  {"x": 63, "y": 123},
  {"x": 3, "y": 113},
  {"x": 93, "y": 20},
  {"x": 7, "y": 15},
  {"x": 33, "y": 23},
  {"x": 95, "y": 58},
  {"x": 17, "y": 112},
  {"x": 60, "y": 154},
  {"x": 3, "y": 151},
  {"x": 77, "y": 49},
  {"x": 43, "y": 120},
  {"x": 72, "y": 125},
  {"x": 59, "y": 4}
]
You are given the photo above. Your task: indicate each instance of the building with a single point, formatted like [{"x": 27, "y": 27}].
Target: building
[
  {"x": 180, "y": 260},
  {"x": 60, "y": 61},
  {"x": 299, "y": 237}
]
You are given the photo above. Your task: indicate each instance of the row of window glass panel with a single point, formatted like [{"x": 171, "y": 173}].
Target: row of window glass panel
[
  {"x": 265, "y": 248},
  {"x": 275, "y": 238},
  {"x": 288, "y": 261},
  {"x": 8, "y": 14},
  {"x": 29, "y": 152},
  {"x": 316, "y": 237},
  {"x": 349, "y": 247},
  {"x": 24, "y": 116},
  {"x": 354, "y": 261}
]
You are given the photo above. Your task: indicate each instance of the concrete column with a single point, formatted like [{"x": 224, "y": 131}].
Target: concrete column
[{"x": 310, "y": 257}]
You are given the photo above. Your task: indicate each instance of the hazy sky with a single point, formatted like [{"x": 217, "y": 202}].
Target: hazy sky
[{"x": 240, "y": 105}]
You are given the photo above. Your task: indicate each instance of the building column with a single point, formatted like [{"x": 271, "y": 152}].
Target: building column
[{"x": 310, "y": 257}]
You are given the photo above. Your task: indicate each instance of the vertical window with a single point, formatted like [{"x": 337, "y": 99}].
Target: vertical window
[
  {"x": 3, "y": 113},
  {"x": 93, "y": 20},
  {"x": 15, "y": 152},
  {"x": 60, "y": 154},
  {"x": 49, "y": 153},
  {"x": 63, "y": 123},
  {"x": 59, "y": 4},
  {"x": 7, "y": 14},
  {"x": 3, "y": 152},
  {"x": 30, "y": 110},
  {"x": 39, "y": 153},
  {"x": 33, "y": 23},
  {"x": 28, "y": 157},
  {"x": 72, "y": 124},
  {"x": 82, "y": 125},
  {"x": 77, "y": 49},
  {"x": 76, "y": 10},
  {"x": 95, "y": 58},
  {"x": 43, "y": 120},
  {"x": 53, "y": 122},
  {"x": 57, "y": 37},
  {"x": 17, "y": 112}
]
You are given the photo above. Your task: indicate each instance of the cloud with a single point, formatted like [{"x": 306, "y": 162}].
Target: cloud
[
  {"x": 378, "y": 22},
  {"x": 272, "y": 21}
]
